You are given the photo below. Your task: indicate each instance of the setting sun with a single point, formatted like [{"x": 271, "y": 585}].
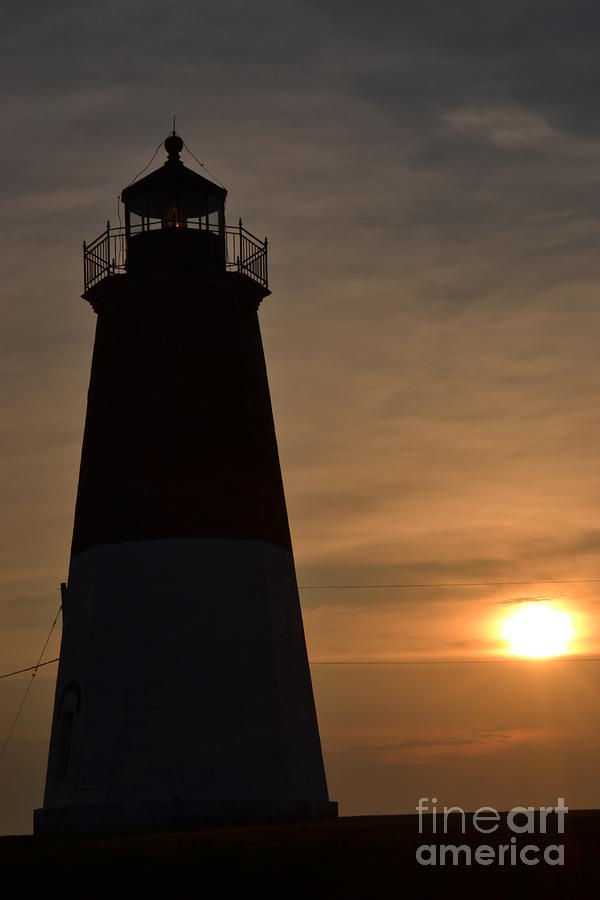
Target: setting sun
[{"x": 538, "y": 630}]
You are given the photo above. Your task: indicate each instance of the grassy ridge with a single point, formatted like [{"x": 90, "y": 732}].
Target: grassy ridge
[{"x": 356, "y": 857}]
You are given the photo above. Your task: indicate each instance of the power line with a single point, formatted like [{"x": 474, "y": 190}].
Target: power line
[
  {"x": 442, "y": 584},
  {"x": 401, "y": 585},
  {"x": 450, "y": 662},
  {"x": 206, "y": 169},
  {"x": 29, "y": 668},
  {"x": 147, "y": 166},
  {"x": 394, "y": 662},
  {"x": 16, "y": 718},
  {"x": 25, "y": 695}
]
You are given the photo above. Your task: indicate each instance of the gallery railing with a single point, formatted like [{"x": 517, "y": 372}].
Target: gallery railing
[{"x": 107, "y": 255}]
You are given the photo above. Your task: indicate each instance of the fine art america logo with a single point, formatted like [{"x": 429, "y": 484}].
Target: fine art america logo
[{"x": 520, "y": 820}]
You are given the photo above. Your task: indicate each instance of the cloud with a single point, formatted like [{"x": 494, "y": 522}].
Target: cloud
[
  {"x": 508, "y": 128},
  {"x": 476, "y": 742},
  {"x": 518, "y": 600},
  {"x": 424, "y": 57}
]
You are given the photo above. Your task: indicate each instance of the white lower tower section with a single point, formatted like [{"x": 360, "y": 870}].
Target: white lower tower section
[{"x": 183, "y": 694}]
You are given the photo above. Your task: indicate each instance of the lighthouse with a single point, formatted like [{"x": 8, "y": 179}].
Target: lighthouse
[{"x": 183, "y": 693}]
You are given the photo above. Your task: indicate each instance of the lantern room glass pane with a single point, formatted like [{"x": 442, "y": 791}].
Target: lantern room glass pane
[
  {"x": 177, "y": 208},
  {"x": 136, "y": 222}
]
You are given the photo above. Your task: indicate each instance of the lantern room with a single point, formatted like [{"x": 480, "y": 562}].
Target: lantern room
[
  {"x": 174, "y": 216},
  {"x": 174, "y": 225}
]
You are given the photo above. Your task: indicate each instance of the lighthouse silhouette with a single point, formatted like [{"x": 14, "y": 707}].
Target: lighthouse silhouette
[{"x": 183, "y": 693}]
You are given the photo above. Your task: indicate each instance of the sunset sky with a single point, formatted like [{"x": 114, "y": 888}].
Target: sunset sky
[{"x": 428, "y": 176}]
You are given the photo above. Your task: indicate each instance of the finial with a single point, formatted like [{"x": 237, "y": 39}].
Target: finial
[{"x": 174, "y": 146}]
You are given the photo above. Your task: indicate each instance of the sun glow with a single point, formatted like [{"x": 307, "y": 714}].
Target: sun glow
[{"x": 538, "y": 631}]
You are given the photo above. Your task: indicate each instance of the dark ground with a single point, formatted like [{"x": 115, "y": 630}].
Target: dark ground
[{"x": 362, "y": 857}]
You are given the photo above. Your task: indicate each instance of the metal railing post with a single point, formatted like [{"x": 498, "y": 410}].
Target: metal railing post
[{"x": 266, "y": 276}]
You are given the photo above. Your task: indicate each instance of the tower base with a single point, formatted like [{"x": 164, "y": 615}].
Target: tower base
[
  {"x": 171, "y": 815},
  {"x": 184, "y": 693}
]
